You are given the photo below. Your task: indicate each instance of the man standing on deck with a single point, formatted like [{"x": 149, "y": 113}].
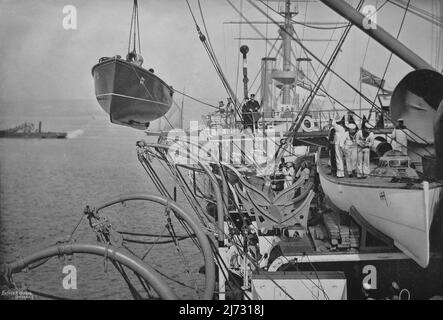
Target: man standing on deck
[
  {"x": 254, "y": 106},
  {"x": 349, "y": 146},
  {"x": 247, "y": 115},
  {"x": 339, "y": 133},
  {"x": 221, "y": 107},
  {"x": 365, "y": 140},
  {"x": 230, "y": 113},
  {"x": 331, "y": 138}
]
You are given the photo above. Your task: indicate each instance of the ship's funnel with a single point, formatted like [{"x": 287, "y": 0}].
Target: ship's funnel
[{"x": 416, "y": 100}]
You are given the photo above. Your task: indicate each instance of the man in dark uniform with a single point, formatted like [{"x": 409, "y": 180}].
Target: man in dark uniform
[
  {"x": 331, "y": 137},
  {"x": 247, "y": 115},
  {"x": 254, "y": 106}
]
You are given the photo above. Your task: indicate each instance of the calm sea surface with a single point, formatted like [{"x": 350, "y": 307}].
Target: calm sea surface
[{"x": 45, "y": 184}]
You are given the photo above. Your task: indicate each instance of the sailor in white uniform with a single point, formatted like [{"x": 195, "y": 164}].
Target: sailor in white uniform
[
  {"x": 349, "y": 146},
  {"x": 365, "y": 141},
  {"x": 339, "y": 132}
]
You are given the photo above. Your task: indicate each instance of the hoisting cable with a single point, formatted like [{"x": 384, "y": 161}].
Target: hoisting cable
[
  {"x": 195, "y": 99},
  {"x": 294, "y": 127},
  {"x": 323, "y": 75},
  {"x": 309, "y": 52},
  {"x": 171, "y": 231},
  {"x": 134, "y": 30},
  {"x": 319, "y": 60},
  {"x": 215, "y": 63},
  {"x": 258, "y": 31},
  {"x": 384, "y": 75},
  {"x": 361, "y": 118},
  {"x": 421, "y": 13},
  {"x": 390, "y": 57}
]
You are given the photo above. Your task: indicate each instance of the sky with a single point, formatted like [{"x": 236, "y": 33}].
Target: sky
[{"x": 43, "y": 61}]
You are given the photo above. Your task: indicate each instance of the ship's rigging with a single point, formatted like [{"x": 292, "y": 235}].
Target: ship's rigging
[
  {"x": 288, "y": 34},
  {"x": 219, "y": 175}
]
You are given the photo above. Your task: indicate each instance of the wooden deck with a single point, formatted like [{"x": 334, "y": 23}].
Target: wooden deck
[{"x": 369, "y": 182}]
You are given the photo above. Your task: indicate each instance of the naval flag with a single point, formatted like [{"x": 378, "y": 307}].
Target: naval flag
[{"x": 369, "y": 78}]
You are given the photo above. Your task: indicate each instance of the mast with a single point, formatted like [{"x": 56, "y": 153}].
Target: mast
[
  {"x": 378, "y": 34},
  {"x": 286, "y": 35},
  {"x": 244, "y": 49},
  {"x": 286, "y": 77}
]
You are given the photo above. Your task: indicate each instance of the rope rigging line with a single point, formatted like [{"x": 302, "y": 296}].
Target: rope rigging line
[
  {"x": 251, "y": 259},
  {"x": 322, "y": 63},
  {"x": 361, "y": 118},
  {"x": 246, "y": 254},
  {"x": 156, "y": 268},
  {"x": 421, "y": 13},
  {"x": 215, "y": 63},
  {"x": 386, "y": 70},
  {"x": 204, "y": 25},
  {"x": 366, "y": 53},
  {"x": 171, "y": 231},
  {"x": 195, "y": 99},
  {"x": 134, "y": 30},
  {"x": 295, "y": 126},
  {"x": 390, "y": 56},
  {"x": 383, "y": 78},
  {"x": 175, "y": 239},
  {"x": 333, "y": 57},
  {"x": 307, "y": 51}
]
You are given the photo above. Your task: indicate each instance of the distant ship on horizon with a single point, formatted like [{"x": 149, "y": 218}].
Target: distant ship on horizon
[{"x": 27, "y": 130}]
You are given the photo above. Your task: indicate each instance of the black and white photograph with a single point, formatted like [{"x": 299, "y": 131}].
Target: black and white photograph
[{"x": 232, "y": 151}]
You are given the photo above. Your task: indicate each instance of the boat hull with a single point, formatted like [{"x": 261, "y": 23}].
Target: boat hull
[
  {"x": 132, "y": 96},
  {"x": 404, "y": 215}
]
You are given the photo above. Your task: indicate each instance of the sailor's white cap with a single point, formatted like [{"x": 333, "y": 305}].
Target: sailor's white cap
[
  {"x": 351, "y": 126},
  {"x": 367, "y": 125}
]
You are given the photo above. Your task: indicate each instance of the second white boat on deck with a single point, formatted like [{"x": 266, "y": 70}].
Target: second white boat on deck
[{"x": 402, "y": 208}]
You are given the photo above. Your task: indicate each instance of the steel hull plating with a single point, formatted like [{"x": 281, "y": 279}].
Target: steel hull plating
[
  {"x": 132, "y": 96},
  {"x": 404, "y": 215}
]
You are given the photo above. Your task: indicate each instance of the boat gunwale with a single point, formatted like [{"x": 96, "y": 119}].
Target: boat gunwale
[
  {"x": 386, "y": 185},
  {"x": 124, "y": 62}
]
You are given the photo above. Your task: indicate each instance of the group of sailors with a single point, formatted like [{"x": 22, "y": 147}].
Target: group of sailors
[
  {"x": 286, "y": 171},
  {"x": 227, "y": 112},
  {"x": 351, "y": 145},
  {"x": 249, "y": 112}
]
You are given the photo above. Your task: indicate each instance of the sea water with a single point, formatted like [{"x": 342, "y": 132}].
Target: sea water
[{"x": 46, "y": 183}]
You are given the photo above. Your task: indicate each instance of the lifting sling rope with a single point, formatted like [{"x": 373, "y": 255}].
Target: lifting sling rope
[
  {"x": 215, "y": 63},
  {"x": 134, "y": 31}
]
